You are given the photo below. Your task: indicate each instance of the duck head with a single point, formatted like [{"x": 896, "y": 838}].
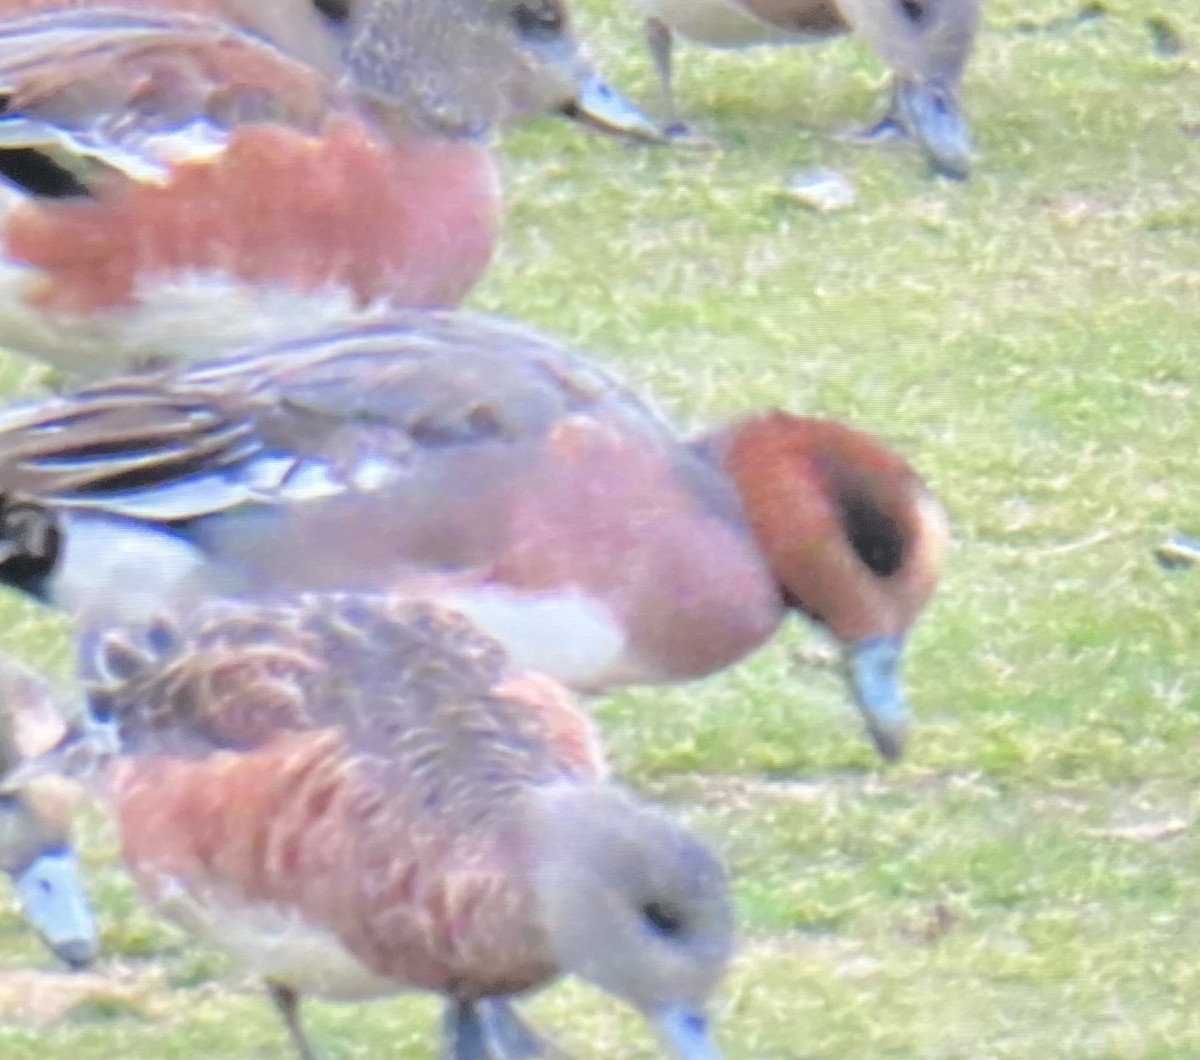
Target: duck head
[
  {"x": 460, "y": 68},
  {"x": 636, "y": 906},
  {"x": 927, "y": 44},
  {"x": 855, "y": 539},
  {"x": 35, "y": 820}
]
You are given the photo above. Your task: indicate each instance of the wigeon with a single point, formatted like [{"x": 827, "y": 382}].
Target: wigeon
[
  {"x": 925, "y": 43},
  {"x": 35, "y": 820},
  {"x": 181, "y": 177},
  {"x": 476, "y": 462},
  {"x": 357, "y": 795}
]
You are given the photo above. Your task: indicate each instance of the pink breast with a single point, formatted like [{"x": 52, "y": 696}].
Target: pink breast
[{"x": 612, "y": 517}]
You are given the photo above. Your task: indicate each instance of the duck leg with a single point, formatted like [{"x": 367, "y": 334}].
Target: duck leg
[
  {"x": 511, "y": 1037},
  {"x": 661, "y": 42},
  {"x": 491, "y": 1030},
  {"x": 888, "y": 128},
  {"x": 463, "y": 1036},
  {"x": 287, "y": 1003}
]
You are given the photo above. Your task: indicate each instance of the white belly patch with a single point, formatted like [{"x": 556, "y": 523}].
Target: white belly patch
[
  {"x": 276, "y": 943},
  {"x": 566, "y": 635},
  {"x": 192, "y": 316}
]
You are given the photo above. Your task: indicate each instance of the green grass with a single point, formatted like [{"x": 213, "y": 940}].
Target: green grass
[{"x": 1027, "y": 883}]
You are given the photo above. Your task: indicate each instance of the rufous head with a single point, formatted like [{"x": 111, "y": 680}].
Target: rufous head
[
  {"x": 456, "y": 68},
  {"x": 854, "y": 537},
  {"x": 636, "y": 906}
]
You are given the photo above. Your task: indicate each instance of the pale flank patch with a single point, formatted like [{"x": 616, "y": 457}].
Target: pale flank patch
[
  {"x": 275, "y": 942},
  {"x": 567, "y": 635},
  {"x": 150, "y": 567},
  {"x": 192, "y": 317}
]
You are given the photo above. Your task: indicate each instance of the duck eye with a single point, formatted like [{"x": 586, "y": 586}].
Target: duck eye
[
  {"x": 538, "y": 18},
  {"x": 913, "y": 10},
  {"x": 875, "y": 536},
  {"x": 336, "y": 11},
  {"x": 665, "y": 920}
]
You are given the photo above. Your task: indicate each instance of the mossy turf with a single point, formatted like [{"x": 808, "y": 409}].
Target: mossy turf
[{"x": 1025, "y": 884}]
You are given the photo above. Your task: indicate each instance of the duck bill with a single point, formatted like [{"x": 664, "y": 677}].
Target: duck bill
[
  {"x": 874, "y": 673},
  {"x": 53, "y": 902},
  {"x": 686, "y": 1035},
  {"x": 599, "y": 107},
  {"x": 928, "y": 110}
]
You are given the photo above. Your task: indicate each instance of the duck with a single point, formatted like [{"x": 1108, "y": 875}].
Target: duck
[
  {"x": 925, "y": 43},
  {"x": 36, "y": 816},
  {"x": 358, "y": 794},
  {"x": 470, "y": 459},
  {"x": 179, "y": 178}
]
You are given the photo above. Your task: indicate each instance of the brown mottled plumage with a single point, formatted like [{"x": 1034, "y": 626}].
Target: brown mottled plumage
[{"x": 359, "y": 795}]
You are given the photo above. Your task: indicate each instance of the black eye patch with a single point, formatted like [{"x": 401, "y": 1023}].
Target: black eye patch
[
  {"x": 663, "y": 919},
  {"x": 335, "y": 11},
  {"x": 877, "y": 539},
  {"x": 538, "y": 18}
]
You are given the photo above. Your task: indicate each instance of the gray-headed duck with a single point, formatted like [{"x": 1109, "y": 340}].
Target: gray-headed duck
[
  {"x": 925, "y": 43},
  {"x": 180, "y": 178},
  {"x": 35, "y": 819}
]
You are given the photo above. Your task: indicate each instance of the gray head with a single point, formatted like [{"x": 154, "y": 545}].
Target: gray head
[
  {"x": 636, "y": 906},
  {"x": 927, "y": 44},
  {"x": 52, "y": 899},
  {"x": 35, "y": 820},
  {"x": 459, "y": 68}
]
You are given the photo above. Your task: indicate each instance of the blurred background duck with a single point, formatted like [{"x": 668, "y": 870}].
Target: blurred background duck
[
  {"x": 472, "y": 460},
  {"x": 925, "y": 43},
  {"x": 357, "y": 795},
  {"x": 35, "y": 820},
  {"x": 180, "y": 178}
]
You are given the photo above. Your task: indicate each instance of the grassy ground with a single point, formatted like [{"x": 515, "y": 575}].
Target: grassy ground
[{"x": 1025, "y": 884}]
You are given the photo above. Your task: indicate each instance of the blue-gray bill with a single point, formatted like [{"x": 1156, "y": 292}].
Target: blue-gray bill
[
  {"x": 53, "y": 902},
  {"x": 929, "y": 112},
  {"x": 686, "y": 1034},
  {"x": 874, "y": 674},
  {"x": 599, "y": 107}
]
